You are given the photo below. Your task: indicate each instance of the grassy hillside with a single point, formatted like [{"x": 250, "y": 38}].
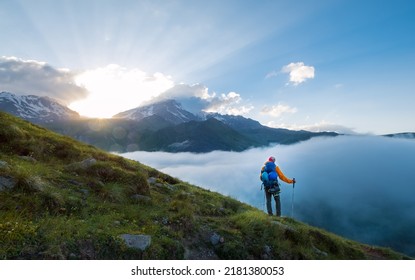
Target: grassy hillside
[{"x": 60, "y": 199}]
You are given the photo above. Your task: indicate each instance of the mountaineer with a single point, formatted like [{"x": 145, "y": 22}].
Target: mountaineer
[{"x": 270, "y": 173}]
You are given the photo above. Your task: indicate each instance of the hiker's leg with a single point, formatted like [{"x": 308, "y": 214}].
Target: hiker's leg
[
  {"x": 278, "y": 204},
  {"x": 268, "y": 196}
]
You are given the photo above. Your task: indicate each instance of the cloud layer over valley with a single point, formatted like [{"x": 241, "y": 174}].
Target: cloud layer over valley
[{"x": 361, "y": 187}]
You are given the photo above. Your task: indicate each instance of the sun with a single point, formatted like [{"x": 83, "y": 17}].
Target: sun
[{"x": 114, "y": 89}]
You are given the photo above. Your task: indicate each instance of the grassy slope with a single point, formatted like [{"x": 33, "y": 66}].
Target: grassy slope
[{"x": 60, "y": 209}]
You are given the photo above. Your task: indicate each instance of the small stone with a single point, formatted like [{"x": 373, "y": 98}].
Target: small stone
[
  {"x": 85, "y": 192},
  {"x": 151, "y": 180},
  {"x": 215, "y": 239},
  {"x": 139, "y": 197},
  {"x": 286, "y": 227},
  {"x": 87, "y": 163},
  {"x": 3, "y": 164},
  {"x": 26, "y": 158},
  {"x": 7, "y": 183},
  {"x": 319, "y": 252},
  {"x": 137, "y": 241},
  {"x": 165, "y": 221},
  {"x": 267, "y": 249},
  {"x": 74, "y": 182}
]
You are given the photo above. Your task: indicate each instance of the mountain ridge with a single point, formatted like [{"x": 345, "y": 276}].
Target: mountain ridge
[
  {"x": 200, "y": 136},
  {"x": 402, "y": 135},
  {"x": 159, "y": 122}
]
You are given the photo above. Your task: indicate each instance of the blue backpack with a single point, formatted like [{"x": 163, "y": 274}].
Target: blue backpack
[{"x": 269, "y": 176}]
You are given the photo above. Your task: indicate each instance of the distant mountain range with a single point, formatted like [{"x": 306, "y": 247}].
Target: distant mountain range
[
  {"x": 160, "y": 126},
  {"x": 403, "y": 135}
]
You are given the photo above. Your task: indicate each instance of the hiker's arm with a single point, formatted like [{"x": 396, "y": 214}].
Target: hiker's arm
[{"x": 282, "y": 176}]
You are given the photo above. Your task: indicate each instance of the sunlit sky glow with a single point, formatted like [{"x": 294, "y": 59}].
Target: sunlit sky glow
[
  {"x": 343, "y": 65},
  {"x": 115, "y": 88}
]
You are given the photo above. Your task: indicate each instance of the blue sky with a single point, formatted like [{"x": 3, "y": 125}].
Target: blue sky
[{"x": 316, "y": 65}]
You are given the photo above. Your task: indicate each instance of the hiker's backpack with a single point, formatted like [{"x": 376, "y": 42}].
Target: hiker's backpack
[{"x": 269, "y": 175}]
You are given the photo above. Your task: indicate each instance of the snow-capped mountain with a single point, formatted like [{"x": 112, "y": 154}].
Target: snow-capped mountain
[
  {"x": 174, "y": 112},
  {"x": 169, "y": 109},
  {"x": 35, "y": 108}
]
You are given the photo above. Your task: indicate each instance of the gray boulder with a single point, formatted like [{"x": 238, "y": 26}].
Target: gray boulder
[
  {"x": 137, "y": 241},
  {"x": 3, "y": 164},
  {"x": 215, "y": 239},
  {"x": 87, "y": 163},
  {"x": 7, "y": 183},
  {"x": 140, "y": 198}
]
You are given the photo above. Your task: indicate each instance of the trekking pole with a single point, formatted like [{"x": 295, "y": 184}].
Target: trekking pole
[{"x": 292, "y": 200}]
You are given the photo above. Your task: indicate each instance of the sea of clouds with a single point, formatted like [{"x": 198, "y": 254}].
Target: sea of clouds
[{"x": 360, "y": 187}]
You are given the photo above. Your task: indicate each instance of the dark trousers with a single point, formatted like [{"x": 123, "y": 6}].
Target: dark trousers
[{"x": 277, "y": 202}]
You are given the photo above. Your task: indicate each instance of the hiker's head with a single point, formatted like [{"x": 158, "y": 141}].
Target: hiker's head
[{"x": 271, "y": 159}]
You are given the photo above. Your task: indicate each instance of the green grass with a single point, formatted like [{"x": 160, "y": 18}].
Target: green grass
[{"x": 60, "y": 208}]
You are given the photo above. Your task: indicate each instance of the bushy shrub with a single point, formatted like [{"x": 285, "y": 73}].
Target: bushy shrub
[{"x": 137, "y": 184}]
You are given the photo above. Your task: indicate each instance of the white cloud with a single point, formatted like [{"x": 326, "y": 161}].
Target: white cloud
[
  {"x": 278, "y": 110},
  {"x": 316, "y": 127},
  {"x": 299, "y": 72},
  {"x": 31, "y": 77},
  {"x": 184, "y": 90},
  {"x": 113, "y": 89},
  {"x": 227, "y": 104},
  {"x": 271, "y": 74},
  {"x": 325, "y": 126},
  {"x": 202, "y": 100}
]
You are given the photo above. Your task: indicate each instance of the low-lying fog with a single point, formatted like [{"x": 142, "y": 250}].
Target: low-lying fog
[{"x": 360, "y": 187}]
